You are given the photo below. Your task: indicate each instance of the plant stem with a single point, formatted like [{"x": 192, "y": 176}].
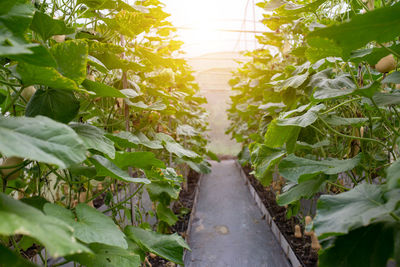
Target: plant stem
[
  {"x": 125, "y": 201},
  {"x": 341, "y": 104},
  {"x": 351, "y": 136},
  {"x": 338, "y": 186}
]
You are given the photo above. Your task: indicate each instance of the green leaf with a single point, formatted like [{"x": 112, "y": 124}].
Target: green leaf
[
  {"x": 202, "y": 167},
  {"x": 10, "y": 258},
  {"x": 40, "y": 139},
  {"x": 276, "y": 135},
  {"x": 293, "y": 82},
  {"x": 296, "y": 169},
  {"x": 93, "y": 138},
  {"x": 339, "y": 121},
  {"x": 327, "y": 88},
  {"x": 90, "y": 225},
  {"x": 16, "y": 16},
  {"x": 71, "y": 57},
  {"x": 372, "y": 55},
  {"x": 20, "y": 218},
  {"x": 263, "y": 160},
  {"x": 31, "y": 75},
  {"x": 339, "y": 214},
  {"x": 384, "y": 99},
  {"x": 142, "y": 160},
  {"x": 169, "y": 247},
  {"x": 368, "y": 246},
  {"x": 93, "y": 3},
  {"x": 304, "y": 120},
  {"x": 381, "y": 25},
  {"x": 165, "y": 214},
  {"x": 173, "y": 147},
  {"x": 159, "y": 189},
  {"x": 393, "y": 77},
  {"x": 140, "y": 105},
  {"x": 105, "y": 167},
  {"x": 102, "y": 89},
  {"x": 59, "y": 105},
  {"x": 46, "y": 27},
  {"x": 107, "y": 256},
  {"x": 369, "y": 90},
  {"x": 39, "y": 56},
  {"x": 129, "y": 140},
  {"x": 305, "y": 189},
  {"x": 393, "y": 175}
]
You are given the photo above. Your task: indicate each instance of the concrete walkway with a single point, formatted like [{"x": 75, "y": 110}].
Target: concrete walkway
[{"x": 228, "y": 229}]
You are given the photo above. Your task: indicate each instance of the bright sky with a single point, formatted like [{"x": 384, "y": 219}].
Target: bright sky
[{"x": 204, "y": 17}]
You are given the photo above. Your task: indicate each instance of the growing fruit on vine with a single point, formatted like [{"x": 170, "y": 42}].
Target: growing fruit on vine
[
  {"x": 297, "y": 231},
  {"x": 59, "y": 38},
  {"x": 386, "y": 64},
  {"x": 28, "y": 92},
  {"x": 314, "y": 242},
  {"x": 8, "y": 162}
]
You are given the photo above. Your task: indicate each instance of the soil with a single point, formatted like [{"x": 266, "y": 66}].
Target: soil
[
  {"x": 301, "y": 246},
  {"x": 185, "y": 202}
]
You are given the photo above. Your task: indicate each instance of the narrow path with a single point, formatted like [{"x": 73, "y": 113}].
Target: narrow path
[{"x": 228, "y": 229}]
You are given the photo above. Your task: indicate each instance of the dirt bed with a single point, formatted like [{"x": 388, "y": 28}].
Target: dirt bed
[{"x": 300, "y": 246}]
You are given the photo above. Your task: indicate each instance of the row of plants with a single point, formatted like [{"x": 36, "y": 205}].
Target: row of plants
[
  {"x": 319, "y": 105},
  {"x": 95, "y": 104}
]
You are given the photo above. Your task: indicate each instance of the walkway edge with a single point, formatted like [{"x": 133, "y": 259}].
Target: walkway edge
[
  {"x": 274, "y": 228},
  {"x": 196, "y": 194}
]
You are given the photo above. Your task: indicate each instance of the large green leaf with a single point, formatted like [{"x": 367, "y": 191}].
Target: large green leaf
[
  {"x": 296, "y": 169},
  {"x": 93, "y": 138},
  {"x": 142, "y": 160},
  {"x": 384, "y": 99},
  {"x": 54, "y": 234},
  {"x": 277, "y": 136},
  {"x": 31, "y": 75},
  {"x": 40, "y": 139},
  {"x": 393, "y": 77},
  {"x": 305, "y": 189},
  {"x": 129, "y": 140},
  {"x": 263, "y": 159},
  {"x": 71, "y": 57},
  {"x": 368, "y": 246},
  {"x": 293, "y": 82},
  {"x": 107, "y": 256},
  {"x": 46, "y": 26},
  {"x": 102, "y": 89},
  {"x": 169, "y": 247},
  {"x": 340, "y": 121},
  {"x": 165, "y": 214},
  {"x": 39, "y": 56},
  {"x": 11, "y": 258},
  {"x": 381, "y": 25},
  {"x": 59, "y": 105},
  {"x": 328, "y": 88},
  {"x": 90, "y": 225},
  {"x": 162, "y": 190},
  {"x": 16, "y": 16},
  {"x": 105, "y": 167},
  {"x": 339, "y": 214},
  {"x": 373, "y": 55},
  {"x": 172, "y": 146},
  {"x": 304, "y": 120},
  {"x": 393, "y": 175}
]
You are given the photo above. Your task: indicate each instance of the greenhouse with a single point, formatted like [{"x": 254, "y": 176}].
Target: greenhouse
[{"x": 214, "y": 133}]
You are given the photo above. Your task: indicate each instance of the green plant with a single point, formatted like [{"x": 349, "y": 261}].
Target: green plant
[
  {"x": 93, "y": 102},
  {"x": 312, "y": 105}
]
